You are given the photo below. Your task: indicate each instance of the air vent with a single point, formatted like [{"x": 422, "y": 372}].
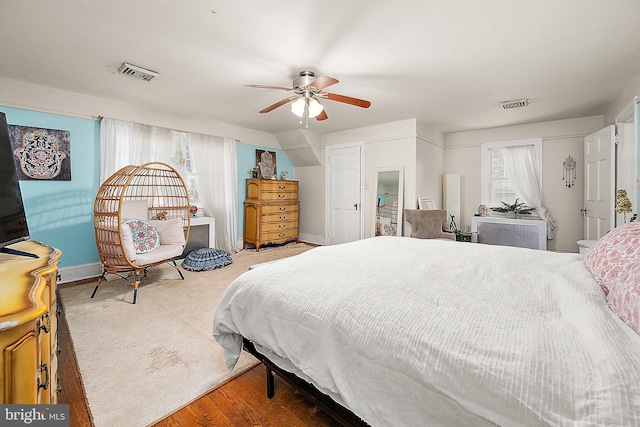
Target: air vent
[
  {"x": 516, "y": 103},
  {"x": 135, "y": 71}
]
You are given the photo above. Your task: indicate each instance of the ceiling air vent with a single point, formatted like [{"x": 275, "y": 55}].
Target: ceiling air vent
[
  {"x": 135, "y": 71},
  {"x": 516, "y": 103}
]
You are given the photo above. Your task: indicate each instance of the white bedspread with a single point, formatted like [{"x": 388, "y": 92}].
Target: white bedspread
[{"x": 411, "y": 332}]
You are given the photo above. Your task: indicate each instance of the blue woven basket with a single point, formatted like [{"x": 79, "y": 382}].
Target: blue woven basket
[{"x": 206, "y": 259}]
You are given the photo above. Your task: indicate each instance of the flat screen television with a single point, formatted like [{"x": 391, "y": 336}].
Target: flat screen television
[{"x": 13, "y": 221}]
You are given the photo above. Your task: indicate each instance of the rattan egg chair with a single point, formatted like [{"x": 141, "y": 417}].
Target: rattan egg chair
[{"x": 154, "y": 193}]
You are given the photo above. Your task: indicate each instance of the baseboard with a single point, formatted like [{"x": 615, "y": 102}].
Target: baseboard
[
  {"x": 310, "y": 238},
  {"x": 79, "y": 272}
]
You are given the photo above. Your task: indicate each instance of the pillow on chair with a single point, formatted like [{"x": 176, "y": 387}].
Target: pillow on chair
[
  {"x": 145, "y": 236},
  {"x": 171, "y": 231},
  {"x": 134, "y": 209}
]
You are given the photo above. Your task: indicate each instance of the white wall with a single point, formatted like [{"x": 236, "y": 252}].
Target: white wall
[
  {"x": 311, "y": 190},
  {"x": 430, "y": 162},
  {"x": 561, "y": 138},
  {"x": 18, "y": 94}
]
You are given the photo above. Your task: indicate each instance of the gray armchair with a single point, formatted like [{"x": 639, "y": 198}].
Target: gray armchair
[{"x": 428, "y": 224}]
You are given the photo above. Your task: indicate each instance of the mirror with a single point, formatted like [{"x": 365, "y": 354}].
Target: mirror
[{"x": 388, "y": 201}]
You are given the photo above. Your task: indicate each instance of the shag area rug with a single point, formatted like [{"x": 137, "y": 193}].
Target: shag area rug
[{"x": 140, "y": 363}]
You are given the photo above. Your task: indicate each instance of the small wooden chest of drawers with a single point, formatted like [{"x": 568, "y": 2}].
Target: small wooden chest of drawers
[
  {"x": 28, "y": 326},
  {"x": 270, "y": 212}
]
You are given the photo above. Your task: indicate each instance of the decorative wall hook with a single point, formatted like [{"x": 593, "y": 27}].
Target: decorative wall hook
[{"x": 569, "y": 171}]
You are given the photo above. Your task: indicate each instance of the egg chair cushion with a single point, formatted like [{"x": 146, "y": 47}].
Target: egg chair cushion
[
  {"x": 163, "y": 253},
  {"x": 206, "y": 259}
]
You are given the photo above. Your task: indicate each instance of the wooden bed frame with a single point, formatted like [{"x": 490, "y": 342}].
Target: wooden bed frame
[{"x": 338, "y": 412}]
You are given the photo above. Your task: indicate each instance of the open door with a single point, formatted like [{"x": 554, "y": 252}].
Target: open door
[{"x": 599, "y": 183}]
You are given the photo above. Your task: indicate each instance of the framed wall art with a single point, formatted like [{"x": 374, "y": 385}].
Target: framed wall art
[
  {"x": 426, "y": 203},
  {"x": 266, "y": 162},
  {"x": 41, "y": 154}
]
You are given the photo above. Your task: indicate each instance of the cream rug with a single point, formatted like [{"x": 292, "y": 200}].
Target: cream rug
[{"x": 140, "y": 363}]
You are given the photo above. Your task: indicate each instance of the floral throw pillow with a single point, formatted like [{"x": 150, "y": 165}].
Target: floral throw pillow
[
  {"x": 145, "y": 237},
  {"x": 614, "y": 261},
  {"x": 625, "y": 302},
  {"x": 615, "y": 258}
]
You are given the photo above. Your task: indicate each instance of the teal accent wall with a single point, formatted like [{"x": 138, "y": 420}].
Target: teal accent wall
[
  {"x": 60, "y": 213},
  {"x": 246, "y": 160}
]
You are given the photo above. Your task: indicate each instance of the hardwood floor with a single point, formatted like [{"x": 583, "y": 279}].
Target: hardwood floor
[{"x": 240, "y": 402}]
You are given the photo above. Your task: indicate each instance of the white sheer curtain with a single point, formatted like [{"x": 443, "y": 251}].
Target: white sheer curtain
[
  {"x": 216, "y": 166},
  {"x": 125, "y": 143},
  {"x": 521, "y": 165},
  {"x": 214, "y": 158}
]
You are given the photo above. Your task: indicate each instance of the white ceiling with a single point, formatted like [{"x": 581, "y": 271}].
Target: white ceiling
[{"x": 447, "y": 63}]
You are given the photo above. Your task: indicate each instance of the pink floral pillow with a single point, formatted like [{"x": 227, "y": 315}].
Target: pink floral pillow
[
  {"x": 625, "y": 302},
  {"x": 614, "y": 262}
]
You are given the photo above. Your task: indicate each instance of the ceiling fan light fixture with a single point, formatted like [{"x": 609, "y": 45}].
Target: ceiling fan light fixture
[
  {"x": 315, "y": 108},
  {"x": 297, "y": 107}
]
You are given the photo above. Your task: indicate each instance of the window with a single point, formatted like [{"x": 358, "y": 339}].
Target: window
[
  {"x": 500, "y": 186},
  {"x": 181, "y": 160},
  {"x": 497, "y": 184}
]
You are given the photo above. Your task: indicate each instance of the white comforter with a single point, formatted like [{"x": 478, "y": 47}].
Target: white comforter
[{"x": 410, "y": 332}]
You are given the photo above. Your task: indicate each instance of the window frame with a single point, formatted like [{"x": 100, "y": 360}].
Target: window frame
[{"x": 485, "y": 167}]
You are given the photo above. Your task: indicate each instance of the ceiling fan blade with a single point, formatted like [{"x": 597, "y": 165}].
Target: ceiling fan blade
[
  {"x": 347, "y": 100},
  {"x": 277, "y": 104},
  {"x": 270, "y": 87},
  {"x": 322, "y": 116},
  {"x": 322, "y": 82}
]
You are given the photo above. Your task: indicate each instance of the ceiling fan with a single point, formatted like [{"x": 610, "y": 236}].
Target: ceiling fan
[{"x": 308, "y": 88}]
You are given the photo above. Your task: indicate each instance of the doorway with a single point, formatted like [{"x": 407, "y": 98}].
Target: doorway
[{"x": 344, "y": 193}]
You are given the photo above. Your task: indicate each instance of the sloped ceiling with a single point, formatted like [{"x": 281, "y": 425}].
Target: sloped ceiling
[{"x": 445, "y": 63}]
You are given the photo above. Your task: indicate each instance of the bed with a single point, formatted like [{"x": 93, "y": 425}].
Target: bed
[{"x": 405, "y": 332}]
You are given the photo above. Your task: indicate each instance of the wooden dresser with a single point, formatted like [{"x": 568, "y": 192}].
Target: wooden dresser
[
  {"x": 28, "y": 325},
  {"x": 270, "y": 212}
]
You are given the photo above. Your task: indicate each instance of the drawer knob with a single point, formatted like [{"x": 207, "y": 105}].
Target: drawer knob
[
  {"x": 281, "y": 196},
  {"x": 281, "y": 226},
  {"x": 281, "y": 235},
  {"x": 282, "y": 187},
  {"x": 283, "y": 208},
  {"x": 282, "y": 217}
]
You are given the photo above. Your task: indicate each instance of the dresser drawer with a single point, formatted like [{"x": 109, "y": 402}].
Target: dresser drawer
[
  {"x": 279, "y": 186},
  {"x": 273, "y": 209},
  {"x": 278, "y": 226},
  {"x": 281, "y": 216},
  {"x": 269, "y": 196},
  {"x": 279, "y": 236}
]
